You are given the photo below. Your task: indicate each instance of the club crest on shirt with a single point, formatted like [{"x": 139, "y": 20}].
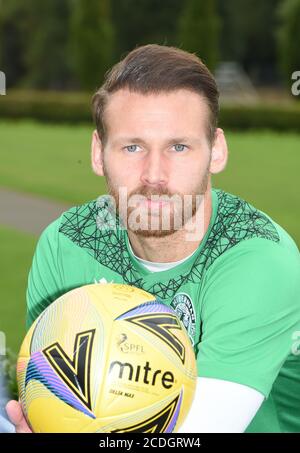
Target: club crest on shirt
[{"x": 184, "y": 308}]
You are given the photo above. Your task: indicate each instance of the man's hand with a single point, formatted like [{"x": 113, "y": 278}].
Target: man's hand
[{"x": 16, "y": 416}]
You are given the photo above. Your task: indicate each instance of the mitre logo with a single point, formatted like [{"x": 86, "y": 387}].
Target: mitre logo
[{"x": 139, "y": 373}]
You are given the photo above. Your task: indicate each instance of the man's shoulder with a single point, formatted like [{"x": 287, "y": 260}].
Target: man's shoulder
[
  {"x": 237, "y": 221},
  {"x": 83, "y": 221}
]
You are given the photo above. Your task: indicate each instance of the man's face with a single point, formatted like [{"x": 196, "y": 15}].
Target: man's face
[{"x": 157, "y": 145}]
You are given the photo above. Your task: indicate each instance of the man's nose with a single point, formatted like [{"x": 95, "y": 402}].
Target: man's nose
[{"x": 154, "y": 169}]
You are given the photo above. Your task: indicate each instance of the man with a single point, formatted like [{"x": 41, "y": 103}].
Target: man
[{"x": 231, "y": 273}]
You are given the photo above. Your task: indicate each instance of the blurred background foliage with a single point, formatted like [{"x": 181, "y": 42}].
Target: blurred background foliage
[
  {"x": 288, "y": 38},
  {"x": 69, "y": 44}
]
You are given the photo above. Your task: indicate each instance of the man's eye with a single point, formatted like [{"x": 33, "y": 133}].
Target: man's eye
[
  {"x": 179, "y": 147},
  {"x": 131, "y": 148}
]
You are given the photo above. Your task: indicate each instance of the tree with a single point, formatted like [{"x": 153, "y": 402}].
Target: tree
[
  {"x": 248, "y": 36},
  {"x": 12, "y": 45},
  {"x": 145, "y": 22},
  {"x": 289, "y": 38},
  {"x": 34, "y": 43},
  {"x": 46, "y": 33},
  {"x": 92, "y": 41},
  {"x": 199, "y": 29}
]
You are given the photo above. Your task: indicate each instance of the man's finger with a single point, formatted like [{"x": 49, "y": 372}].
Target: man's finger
[{"x": 16, "y": 416}]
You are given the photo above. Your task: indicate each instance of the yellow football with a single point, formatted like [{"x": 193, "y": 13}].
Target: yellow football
[{"x": 106, "y": 358}]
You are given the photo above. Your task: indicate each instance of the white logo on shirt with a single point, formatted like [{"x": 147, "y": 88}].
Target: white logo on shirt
[{"x": 102, "y": 281}]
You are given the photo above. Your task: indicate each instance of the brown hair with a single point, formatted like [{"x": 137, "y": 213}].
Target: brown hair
[{"x": 154, "y": 69}]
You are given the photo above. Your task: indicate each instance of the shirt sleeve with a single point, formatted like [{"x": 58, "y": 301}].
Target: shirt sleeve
[
  {"x": 250, "y": 310},
  {"x": 221, "y": 407},
  {"x": 44, "y": 280}
]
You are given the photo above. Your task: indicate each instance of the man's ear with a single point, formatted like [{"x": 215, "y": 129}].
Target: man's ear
[
  {"x": 97, "y": 154},
  {"x": 219, "y": 153}
]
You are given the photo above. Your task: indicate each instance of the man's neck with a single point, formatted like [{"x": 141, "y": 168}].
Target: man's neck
[{"x": 178, "y": 245}]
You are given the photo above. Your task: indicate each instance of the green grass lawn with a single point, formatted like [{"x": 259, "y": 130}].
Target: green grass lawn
[
  {"x": 16, "y": 255},
  {"x": 50, "y": 160}
]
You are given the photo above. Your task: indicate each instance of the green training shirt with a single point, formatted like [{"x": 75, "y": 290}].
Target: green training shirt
[{"x": 238, "y": 295}]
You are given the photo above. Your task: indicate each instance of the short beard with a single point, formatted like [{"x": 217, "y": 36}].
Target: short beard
[{"x": 178, "y": 217}]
